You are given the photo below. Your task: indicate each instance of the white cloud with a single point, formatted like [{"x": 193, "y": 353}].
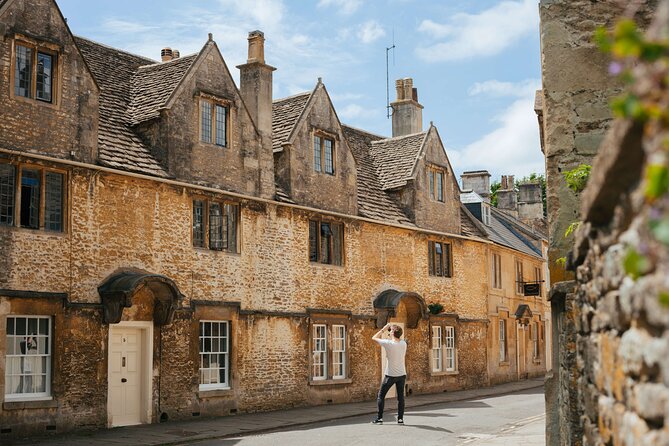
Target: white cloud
[
  {"x": 124, "y": 26},
  {"x": 497, "y": 88},
  {"x": 512, "y": 148},
  {"x": 487, "y": 33},
  {"x": 345, "y": 6},
  {"x": 351, "y": 112},
  {"x": 370, "y": 31},
  {"x": 288, "y": 38}
]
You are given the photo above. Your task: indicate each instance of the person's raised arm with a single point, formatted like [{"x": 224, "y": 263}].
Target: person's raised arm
[{"x": 377, "y": 337}]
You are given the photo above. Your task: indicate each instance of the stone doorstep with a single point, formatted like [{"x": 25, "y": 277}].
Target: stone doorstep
[{"x": 235, "y": 425}]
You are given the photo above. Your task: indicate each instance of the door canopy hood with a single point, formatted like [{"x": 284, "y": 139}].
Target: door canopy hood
[
  {"x": 118, "y": 290},
  {"x": 387, "y": 301}
]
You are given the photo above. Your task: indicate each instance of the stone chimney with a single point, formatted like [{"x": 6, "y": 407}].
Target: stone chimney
[
  {"x": 478, "y": 181},
  {"x": 256, "y": 84},
  {"x": 166, "y": 54},
  {"x": 507, "y": 200},
  {"x": 530, "y": 202},
  {"x": 407, "y": 112},
  {"x": 256, "y": 91}
]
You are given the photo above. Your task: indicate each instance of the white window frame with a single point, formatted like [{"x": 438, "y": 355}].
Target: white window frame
[
  {"x": 319, "y": 352},
  {"x": 9, "y": 359},
  {"x": 485, "y": 214},
  {"x": 437, "y": 355},
  {"x": 338, "y": 351},
  {"x": 450, "y": 363},
  {"x": 225, "y": 384},
  {"x": 502, "y": 340}
]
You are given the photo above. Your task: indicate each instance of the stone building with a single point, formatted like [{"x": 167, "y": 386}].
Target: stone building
[
  {"x": 519, "y": 324},
  {"x": 602, "y": 390},
  {"x": 172, "y": 246}
]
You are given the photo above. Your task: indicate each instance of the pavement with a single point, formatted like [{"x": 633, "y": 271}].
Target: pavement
[{"x": 526, "y": 432}]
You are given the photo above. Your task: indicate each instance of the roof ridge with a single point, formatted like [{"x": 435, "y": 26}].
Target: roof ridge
[
  {"x": 116, "y": 49},
  {"x": 367, "y": 132},
  {"x": 304, "y": 93},
  {"x": 168, "y": 62},
  {"x": 394, "y": 138}
]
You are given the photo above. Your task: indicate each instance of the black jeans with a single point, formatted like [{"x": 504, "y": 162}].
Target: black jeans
[{"x": 388, "y": 382}]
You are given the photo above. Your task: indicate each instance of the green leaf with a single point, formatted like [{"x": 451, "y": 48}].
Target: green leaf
[
  {"x": 635, "y": 264},
  {"x": 603, "y": 40},
  {"x": 664, "y": 298},
  {"x": 562, "y": 261},
  {"x": 572, "y": 228},
  {"x": 577, "y": 178},
  {"x": 660, "y": 230},
  {"x": 657, "y": 181}
]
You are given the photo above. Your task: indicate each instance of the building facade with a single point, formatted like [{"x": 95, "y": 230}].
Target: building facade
[{"x": 173, "y": 246}]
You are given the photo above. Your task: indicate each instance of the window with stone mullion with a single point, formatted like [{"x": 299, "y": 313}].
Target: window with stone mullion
[
  {"x": 24, "y": 71},
  {"x": 44, "y": 77},
  {"x": 53, "y": 202},
  {"x": 7, "y": 194}
]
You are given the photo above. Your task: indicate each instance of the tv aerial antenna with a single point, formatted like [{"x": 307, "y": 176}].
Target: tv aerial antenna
[{"x": 388, "y": 50}]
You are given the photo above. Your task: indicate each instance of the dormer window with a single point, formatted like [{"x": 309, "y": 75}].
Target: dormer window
[
  {"x": 214, "y": 122},
  {"x": 436, "y": 179},
  {"x": 324, "y": 154},
  {"x": 34, "y": 72}
]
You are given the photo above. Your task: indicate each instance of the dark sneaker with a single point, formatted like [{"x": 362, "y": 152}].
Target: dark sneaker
[
  {"x": 378, "y": 421},
  {"x": 400, "y": 421}
]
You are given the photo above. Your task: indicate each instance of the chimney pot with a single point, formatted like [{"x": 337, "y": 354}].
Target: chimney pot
[
  {"x": 408, "y": 88},
  {"x": 399, "y": 86},
  {"x": 211, "y": 37},
  {"x": 176, "y": 54},
  {"x": 414, "y": 94},
  {"x": 166, "y": 54},
  {"x": 256, "y": 47}
]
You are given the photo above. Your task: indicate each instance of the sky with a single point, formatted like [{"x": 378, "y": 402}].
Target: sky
[{"x": 475, "y": 63}]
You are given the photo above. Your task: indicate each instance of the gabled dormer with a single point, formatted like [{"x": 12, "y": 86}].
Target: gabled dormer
[
  {"x": 313, "y": 163},
  {"x": 191, "y": 115},
  {"x": 48, "y": 97}
]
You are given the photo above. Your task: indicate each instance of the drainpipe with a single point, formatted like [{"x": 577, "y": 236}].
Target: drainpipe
[{"x": 518, "y": 328}]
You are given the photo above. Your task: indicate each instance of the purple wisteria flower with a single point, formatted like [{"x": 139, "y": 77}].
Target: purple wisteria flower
[{"x": 615, "y": 68}]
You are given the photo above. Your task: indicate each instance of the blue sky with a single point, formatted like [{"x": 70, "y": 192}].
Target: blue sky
[{"x": 476, "y": 63}]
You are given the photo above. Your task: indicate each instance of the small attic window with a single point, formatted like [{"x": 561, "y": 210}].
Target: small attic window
[
  {"x": 485, "y": 214},
  {"x": 34, "y": 72},
  {"x": 436, "y": 180},
  {"x": 214, "y": 122}
]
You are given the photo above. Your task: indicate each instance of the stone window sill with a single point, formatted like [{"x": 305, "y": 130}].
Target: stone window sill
[
  {"x": 536, "y": 361},
  {"x": 329, "y": 382},
  {"x": 504, "y": 363},
  {"x": 447, "y": 373},
  {"x": 214, "y": 393},
  {"x": 30, "y": 404}
]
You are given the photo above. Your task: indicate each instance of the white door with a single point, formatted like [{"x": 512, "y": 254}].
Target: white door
[
  {"x": 125, "y": 376},
  {"x": 392, "y": 393}
]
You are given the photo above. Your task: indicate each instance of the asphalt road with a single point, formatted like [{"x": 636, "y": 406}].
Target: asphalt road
[{"x": 512, "y": 419}]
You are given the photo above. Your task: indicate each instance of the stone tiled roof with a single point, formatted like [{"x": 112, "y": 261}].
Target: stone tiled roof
[
  {"x": 469, "y": 225},
  {"x": 152, "y": 86},
  {"x": 285, "y": 113},
  {"x": 118, "y": 146},
  {"x": 504, "y": 230},
  {"x": 373, "y": 202},
  {"x": 396, "y": 157}
]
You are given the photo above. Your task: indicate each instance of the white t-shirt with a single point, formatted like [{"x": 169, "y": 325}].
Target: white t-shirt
[{"x": 395, "y": 352}]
